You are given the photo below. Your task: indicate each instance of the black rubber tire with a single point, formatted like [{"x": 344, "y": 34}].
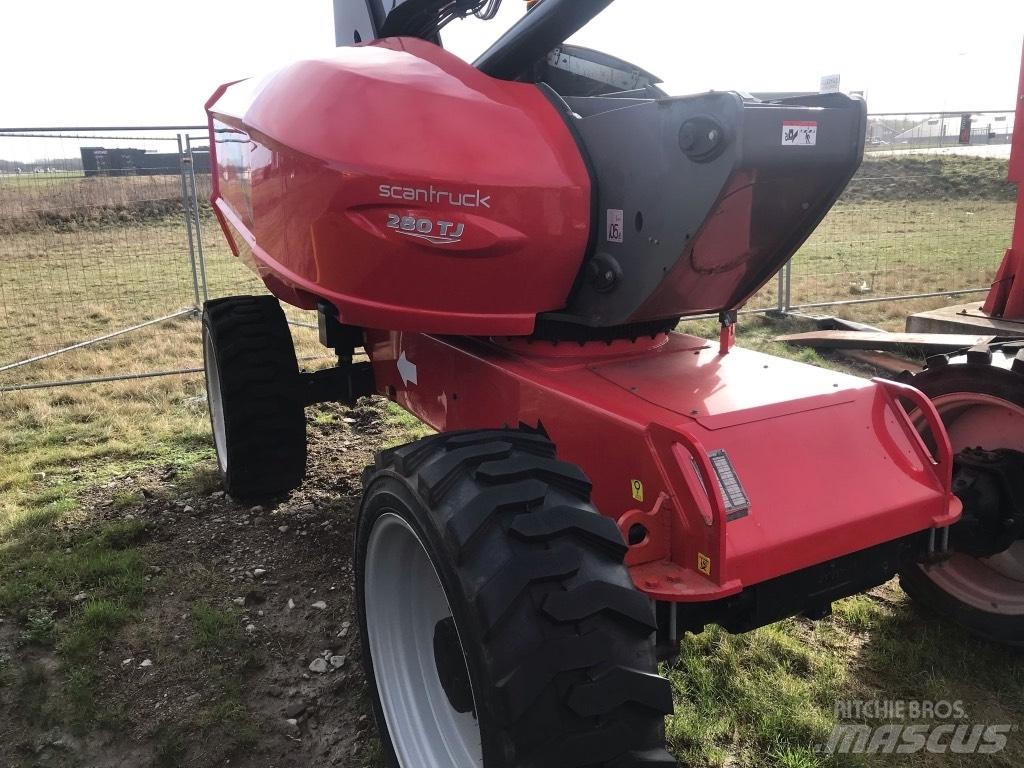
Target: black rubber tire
[
  {"x": 264, "y": 447},
  {"x": 558, "y": 640},
  {"x": 999, "y": 376}
]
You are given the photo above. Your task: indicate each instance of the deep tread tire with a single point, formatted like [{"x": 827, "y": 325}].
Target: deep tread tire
[
  {"x": 557, "y": 639},
  {"x": 264, "y": 433},
  {"x": 990, "y": 371}
]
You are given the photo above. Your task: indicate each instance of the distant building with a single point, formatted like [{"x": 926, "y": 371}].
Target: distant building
[
  {"x": 985, "y": 128},
  {"x": 880, "y": 132},
  {"x": 100, "y": 161}
]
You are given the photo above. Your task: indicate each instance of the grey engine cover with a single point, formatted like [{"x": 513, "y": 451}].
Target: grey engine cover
[{"x": 715, "y": 192}]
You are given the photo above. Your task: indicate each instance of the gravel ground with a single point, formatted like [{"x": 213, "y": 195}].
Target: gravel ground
[{"x": 246, "y": 651}]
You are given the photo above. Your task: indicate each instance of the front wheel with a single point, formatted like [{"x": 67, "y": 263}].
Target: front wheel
[{"x": 499, "y": 625}]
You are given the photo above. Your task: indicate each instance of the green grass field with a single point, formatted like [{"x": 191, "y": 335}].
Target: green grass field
[
  {"x": 21, "y": 180},
  {"x": 874, "y": 249}
]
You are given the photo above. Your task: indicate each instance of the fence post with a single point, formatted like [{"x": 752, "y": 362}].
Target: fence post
[
  {"x": 195, "y": 212},
  {"x": 783, "y": 303},
  {"x": 185, "y": 207},
  {"x": 789, "y": 285}
]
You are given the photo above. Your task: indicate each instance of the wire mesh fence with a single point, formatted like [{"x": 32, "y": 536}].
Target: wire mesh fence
[
  {"x": 106, "y": 231},
  {"x": 99, "y": 236},
  {"x": 973, "y": 133},
  {"x": 929, "y": 213},
  {"x": 86, "y": 252}
]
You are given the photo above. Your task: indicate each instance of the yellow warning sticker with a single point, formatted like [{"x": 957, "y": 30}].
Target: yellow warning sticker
[
  {"x": 703, "y": 563},
  {"x": 638, "y": 489}
]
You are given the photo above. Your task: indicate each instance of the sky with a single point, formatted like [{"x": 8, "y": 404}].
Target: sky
[{"x": 132, "y": 62}]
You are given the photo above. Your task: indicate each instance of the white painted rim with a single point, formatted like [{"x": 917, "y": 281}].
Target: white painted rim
[
  {"x": 215, "y": 401},
  {"x": 404, "y": 602}
]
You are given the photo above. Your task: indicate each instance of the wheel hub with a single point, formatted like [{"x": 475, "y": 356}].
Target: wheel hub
[
  {"x": 451, "y": 666},
  {"x": 991, "y": 486},
  {"x": 996, "y": 583}
]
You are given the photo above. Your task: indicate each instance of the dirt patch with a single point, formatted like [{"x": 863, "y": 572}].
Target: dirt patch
[{"x": 246, "y": 648}]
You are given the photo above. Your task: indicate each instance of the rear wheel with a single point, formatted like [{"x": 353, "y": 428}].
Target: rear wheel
[
  {"x": 500, "y": 627},
  {"x": 980, "y": 398},
  {"x": 252, "y": 388}
]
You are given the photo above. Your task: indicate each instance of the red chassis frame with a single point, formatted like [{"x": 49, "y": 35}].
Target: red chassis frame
[{"x": 831, "y": 464}]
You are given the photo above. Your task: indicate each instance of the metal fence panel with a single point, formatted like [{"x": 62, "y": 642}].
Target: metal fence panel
[
  {"x": 869, "y": 248},
  {"x": 224, "y": 274},
  {"x": 929, "y": 213},
  {"x": 102, "y": 240},
  {"x": 85, "y": 253}
]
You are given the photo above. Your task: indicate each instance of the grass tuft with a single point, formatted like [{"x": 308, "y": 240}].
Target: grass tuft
[
  {"x": 859, "y": 613},
  {"x": 201, "y": 479},
  {"x": 125, "y": 499},
  {"x": 39, "y": 626},
  {"x": 216, "y": 630},
  {"x": 89, "y": 628}
]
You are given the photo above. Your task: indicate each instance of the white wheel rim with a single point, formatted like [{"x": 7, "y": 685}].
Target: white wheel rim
[
  {"x": 213, "y": 399},
  {"x": 404, "y": 603}
]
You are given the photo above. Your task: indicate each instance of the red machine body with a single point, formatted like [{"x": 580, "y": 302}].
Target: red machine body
[
  {"x": 513, "y": 244},
  {"x": 308, "y": 190},
  {"x": 346, "y": 184},
  {"x": 829, "y": 463},
  {"x": 411, "y": 191}
]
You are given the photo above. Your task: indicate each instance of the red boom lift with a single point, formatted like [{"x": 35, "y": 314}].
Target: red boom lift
[
  {"x": 1006, "y": 299},
  {"x": 512, "y": 242}
]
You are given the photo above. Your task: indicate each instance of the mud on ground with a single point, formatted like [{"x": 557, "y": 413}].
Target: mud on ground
[{"x": 245, "y": 650}]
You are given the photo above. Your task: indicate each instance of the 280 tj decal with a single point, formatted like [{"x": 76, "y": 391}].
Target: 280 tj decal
[{"x": 436, "y": 232}]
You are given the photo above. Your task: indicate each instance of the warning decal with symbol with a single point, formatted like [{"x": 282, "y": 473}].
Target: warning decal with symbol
[
  {"x": 638, "y": 489},
  {"x": 703, "y": 563},
  {"x": 799, "y": 133}
]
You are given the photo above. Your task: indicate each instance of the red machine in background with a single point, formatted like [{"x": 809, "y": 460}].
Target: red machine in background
[
  {"x": 1002, "y": 312},
  {"x": 979, "y": 394},
  {"x": 1006, "y": 299},
  {"x": 511, "y": 243}
]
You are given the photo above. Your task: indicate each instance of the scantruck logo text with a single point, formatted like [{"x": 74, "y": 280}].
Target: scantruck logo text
[{"x": 432, "y": 195}]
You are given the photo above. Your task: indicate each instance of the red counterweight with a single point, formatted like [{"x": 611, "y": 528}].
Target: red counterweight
[{"x": 325, "y": 187}]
